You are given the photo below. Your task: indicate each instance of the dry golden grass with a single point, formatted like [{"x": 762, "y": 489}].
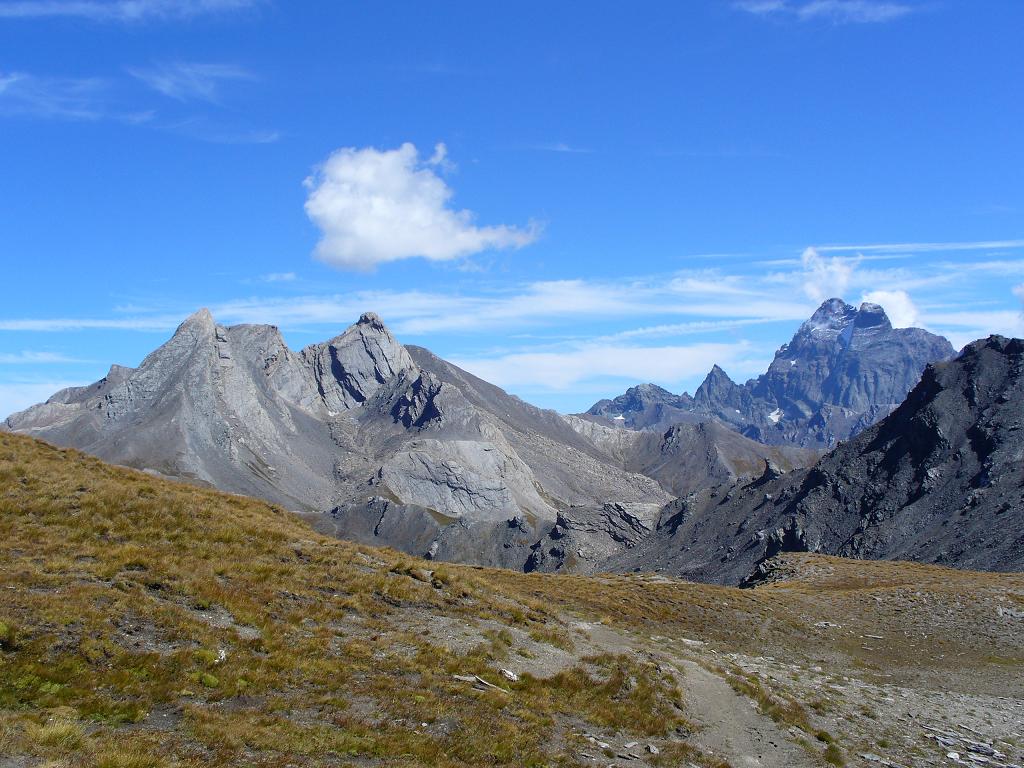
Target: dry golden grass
[
  {"x": 125, "y": 599},
  {"x": 147, "y": 623}
]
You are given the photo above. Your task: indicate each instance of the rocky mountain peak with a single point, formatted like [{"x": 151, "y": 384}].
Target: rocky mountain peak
[
  {"x": 118, "y": 373},
  {"x": 717, "y": 374},
  {"x": 350, "y": 368},
  {"x": 649, "y": 393},
  {"x": 198, "y": 322},
  {"x": 872, "y": 316},
  {"x": 829, "y": 319},
  {"x": 845, "y": 368},
  {"x": 716, "y": 389},
  {"x": 372, "y": 319},
  {"x": 653, "y": 404}
]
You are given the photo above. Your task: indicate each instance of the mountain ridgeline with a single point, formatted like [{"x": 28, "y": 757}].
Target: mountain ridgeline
[
  {"x": 386, "y": 444},
  {"x": 845, "y": 369},
  {"x": 940, "y": 480},
  {"x": 376, "y": 441}
]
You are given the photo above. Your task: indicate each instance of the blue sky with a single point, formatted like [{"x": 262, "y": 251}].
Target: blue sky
[{"x": 566, "y": 198}]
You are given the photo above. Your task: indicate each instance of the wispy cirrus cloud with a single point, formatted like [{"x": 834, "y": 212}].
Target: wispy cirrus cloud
[
  {"x": 835, "y": 11},
  {"x": 118, "y": 10},
  {"x": 577, "y": 364},
  {"x": 562, "y": 148},
  {"x": 17, "y": 395},
  {"x": 60, "y": 324},
  {"x": 590, "y": 335},
  {"x": 973, "y": 245},
  {"x": 35, "y": 358},
  {"x": 279, "y": 277},
  {"x": 213, "y": 132},
  {"x": 189, "y": 81},
  {"x": 30, "y": 96},
  {"x": 61, "y": 98}
]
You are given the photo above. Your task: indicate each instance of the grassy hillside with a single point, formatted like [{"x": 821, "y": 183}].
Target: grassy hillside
[{"x": 149, "y": 623}]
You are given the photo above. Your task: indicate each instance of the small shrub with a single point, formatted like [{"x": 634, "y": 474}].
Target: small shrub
[
  {"x": 8, "y": 636},
  {"x": 206, "y": 680},
  {"x": 834, "y": 755},
  {"x": 59, "y": 733}
]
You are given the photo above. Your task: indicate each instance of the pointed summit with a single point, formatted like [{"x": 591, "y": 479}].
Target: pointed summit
[
  {"x": 373, "y": 320},
  {"x": 718, "y": 391},
  {"x": 829, "y": 319},
  {"x": 717, "y": 373},
  {"x": 350, "y": 368},
  {"x": 199, "y": 325},
  {"x": 200, "y": 318}
]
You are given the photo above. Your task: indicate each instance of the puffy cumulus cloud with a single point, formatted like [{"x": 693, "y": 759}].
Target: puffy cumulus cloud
[
  {"x": 898, "y": 305},
  {"x": 825, "y": 277},
  {"x": 374, "y": 206},
  {"x": 1018, "y": 291}
]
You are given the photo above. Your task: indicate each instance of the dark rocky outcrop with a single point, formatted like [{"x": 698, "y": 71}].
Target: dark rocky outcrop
[{"x": 940, "y": 480}]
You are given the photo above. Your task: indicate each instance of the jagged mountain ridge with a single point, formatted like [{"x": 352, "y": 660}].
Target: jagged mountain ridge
[
  {"x": 403, "y": 447},
  {"x": 940, "y": 480},
  {"x": 844, "y": 369}
]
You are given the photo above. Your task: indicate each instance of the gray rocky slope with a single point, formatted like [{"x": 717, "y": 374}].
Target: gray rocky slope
[
  {"x": 845, "y": 369},
  {"x": 403, "y": 448},
  {"x": 940, "y": 480}
]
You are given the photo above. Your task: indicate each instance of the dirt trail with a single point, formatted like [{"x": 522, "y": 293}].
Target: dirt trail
[
  {"x": 730, "y": 725},
  {"x": 733, "y": 728}
]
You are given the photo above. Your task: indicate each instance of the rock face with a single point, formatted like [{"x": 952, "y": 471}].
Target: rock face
[
  {"x": 405, "y": 449},
  {"x": 939, "y": 480},
  {"x": 401, "y": 447},
  {"x": 645, "y": 406},
  {"x": 843, "y": 370}
]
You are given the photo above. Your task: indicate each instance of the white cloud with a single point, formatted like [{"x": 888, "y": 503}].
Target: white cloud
[
  {"x": 902, "y": 311},
  {"x": 563, "y": 148},
  {"x": 1018, "y": 291},
  {"x": 117, "y": 10},
  {"x": 974, "y": 245},
  {"x": 964, "y": 326},
  {"x": 374, "y": 206},
  {"x": 835, "y": 11},
  {"x": 60, "y": 324},
  {"x": 855, "y": 11},
  {"x": 279, "y": 277},
  {"x": 569, "y": 368},
  {"x": 686, "y": 329},
  {"x": 202, "y": 129},
  {"x": 33, "y": 358},
  {"x": 825, "y": 277},
  {"x": 185, "y": 81},
  {"x": 17, "y": 396},
  {"x": 537, "y": 304},
  {"x": 68, "y": 98}
]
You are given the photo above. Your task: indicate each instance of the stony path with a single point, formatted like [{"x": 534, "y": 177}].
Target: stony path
[
  {"x": 732, "y": 728},
  {"x": 730, "y": 725}
]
